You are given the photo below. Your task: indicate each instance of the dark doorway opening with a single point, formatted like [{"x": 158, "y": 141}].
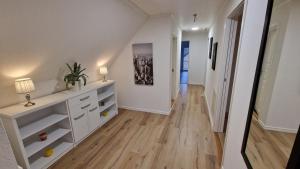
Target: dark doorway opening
[{"x": 184, "y": 64}]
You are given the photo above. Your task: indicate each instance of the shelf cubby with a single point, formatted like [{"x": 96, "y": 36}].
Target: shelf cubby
[
  {"x": 38, "y": 145},
  {"x": 60, "y": 147},
  {"x": 41, "y": 124}
]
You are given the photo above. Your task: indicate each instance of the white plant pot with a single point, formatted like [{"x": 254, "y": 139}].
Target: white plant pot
[{"x": 77, "y": 86}]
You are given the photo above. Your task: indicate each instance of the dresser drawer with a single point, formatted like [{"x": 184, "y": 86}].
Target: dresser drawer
[{"x": 82, "y": 102}]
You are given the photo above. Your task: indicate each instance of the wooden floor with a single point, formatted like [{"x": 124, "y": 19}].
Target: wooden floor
[
  {"x": 138, "y": 140},
  {"x": 268, "y": 149}
]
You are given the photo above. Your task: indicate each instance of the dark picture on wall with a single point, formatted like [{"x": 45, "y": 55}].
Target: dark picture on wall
[
  {"x": 214, "y": 57},
  {"x": 143, "y": 63},
  {"x": 210, "y": 46}
]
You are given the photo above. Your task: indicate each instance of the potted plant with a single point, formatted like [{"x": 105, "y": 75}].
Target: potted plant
[{"x": 75, "y": 76}]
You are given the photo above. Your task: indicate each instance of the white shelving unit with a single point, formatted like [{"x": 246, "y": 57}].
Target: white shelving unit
[
  {"x": 23, "y": 132},
  {"x": 62, "y": 116},
  {"x": 107, "y": 103}
]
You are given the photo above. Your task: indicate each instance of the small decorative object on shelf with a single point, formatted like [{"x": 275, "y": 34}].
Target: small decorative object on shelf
[
  {"x": 43, "y": 136},
  {"x": 48, "y": 152},
  {"x": 103, "y": 71},
  {"x": 102, "y": 103},
  {"x": 105, "y": 114},
  {"x": 25, "y": 86},
  {"x": 75, "y": 76}
]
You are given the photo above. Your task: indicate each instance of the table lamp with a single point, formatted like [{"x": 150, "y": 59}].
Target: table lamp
[
  {"x": 25, "y": 86},
  {"x": 104, "y": 72}
]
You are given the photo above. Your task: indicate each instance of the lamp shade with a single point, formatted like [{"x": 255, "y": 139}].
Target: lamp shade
[
  {"x": 24, "y": 85},
  {"x": 103, "y": 70}
]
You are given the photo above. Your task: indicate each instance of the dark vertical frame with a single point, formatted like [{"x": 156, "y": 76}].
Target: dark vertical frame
[
  {"x": 214, "y": 57},
  {"x": 294, "y": 160},
  {"x": 256, "y": 80},
  {"x": 211, "y": 40}
]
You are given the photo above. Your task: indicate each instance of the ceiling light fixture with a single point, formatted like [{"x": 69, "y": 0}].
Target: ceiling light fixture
[
  {"x": 195, "y": 28},
  {"x": 195, "y": 17}
]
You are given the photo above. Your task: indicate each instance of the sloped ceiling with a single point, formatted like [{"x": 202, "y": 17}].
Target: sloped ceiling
[
  {"x": 183, "y": 10},
  {"x": 37, "y": 38}
]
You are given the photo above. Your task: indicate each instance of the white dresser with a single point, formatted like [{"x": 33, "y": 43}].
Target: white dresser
[{"x": 67, "y": 117}]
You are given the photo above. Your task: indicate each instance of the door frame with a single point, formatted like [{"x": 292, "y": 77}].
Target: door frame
[
  {"x": 174, "y": 67},
  {"x": 229, "y": 40}
]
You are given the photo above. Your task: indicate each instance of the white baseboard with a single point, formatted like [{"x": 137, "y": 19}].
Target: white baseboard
[
  {"x": 280, "y": 129},
  {"x": 195, "y": 83},
  {"x": 209, "y": 112},
  {"x": 146, "y": 110}
]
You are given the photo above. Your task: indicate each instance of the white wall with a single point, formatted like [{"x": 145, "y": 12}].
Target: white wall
[
  {"x": 156, "y": 98},
  {"x": 198, "y": 54},
  {"x": 7, "y": 158},
  {"x": 38, "y": 37},
  {"x": 285, "y": 102}
]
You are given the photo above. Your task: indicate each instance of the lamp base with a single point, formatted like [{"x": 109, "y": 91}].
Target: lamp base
[
  {"x": 104, "y": 79},
  {"x": 29, "y": 103}
]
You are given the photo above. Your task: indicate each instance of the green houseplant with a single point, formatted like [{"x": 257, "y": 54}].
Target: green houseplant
[{"x": 75, "y": 76}]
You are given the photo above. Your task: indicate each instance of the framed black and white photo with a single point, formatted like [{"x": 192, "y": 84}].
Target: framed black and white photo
[
  {"x": 214, "y": 57},
  {"x": 143, "y": 63},
  {"x": 210, "y": 47}
]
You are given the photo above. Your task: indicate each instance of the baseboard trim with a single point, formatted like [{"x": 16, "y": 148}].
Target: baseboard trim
[
  {"x": 209, "y": 112},
  {"x": 146, "y": 110},
  {"x": 193, "y": 83},
  {"x": 280, "y": 129}
]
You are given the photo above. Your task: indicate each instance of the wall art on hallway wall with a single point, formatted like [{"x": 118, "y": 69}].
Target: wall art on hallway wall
[
  {"x": 214, "y": 57},
  {"x": 210, "y": 47},
  {"x": 143, "y": 63}
]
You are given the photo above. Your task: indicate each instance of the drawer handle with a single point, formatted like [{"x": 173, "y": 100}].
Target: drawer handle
[
  {"x": 85, "y": 106},
  {"x": 82, "y": 99},
  {"x": 93, "y": 109},
  {"x": 76, "y": 118}
]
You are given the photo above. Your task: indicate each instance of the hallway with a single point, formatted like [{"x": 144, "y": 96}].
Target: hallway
[
  {"x": 183, "y": 140},
  {"x": 184, "y": 77}
]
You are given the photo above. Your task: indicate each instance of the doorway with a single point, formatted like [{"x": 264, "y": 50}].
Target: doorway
[
  {"x": 232, "y": 42},
  {"x": 184, "y": 64}
]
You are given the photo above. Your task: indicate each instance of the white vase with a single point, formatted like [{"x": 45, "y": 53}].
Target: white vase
[{"x": 77, "y": 86}]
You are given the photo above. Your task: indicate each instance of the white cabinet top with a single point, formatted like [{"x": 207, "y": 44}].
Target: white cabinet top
[{"x": 19, "y": 110}]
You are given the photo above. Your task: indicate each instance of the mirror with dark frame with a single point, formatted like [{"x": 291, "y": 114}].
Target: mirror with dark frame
[{"x": 271, "y": 140}]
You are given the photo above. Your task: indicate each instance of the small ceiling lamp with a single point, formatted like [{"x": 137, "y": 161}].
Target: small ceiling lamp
[
  {"x": 195, "y": 17},
  {"x": 195, "y": 28}
]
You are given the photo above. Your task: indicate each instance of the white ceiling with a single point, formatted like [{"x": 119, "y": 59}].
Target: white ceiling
[{"x": 183, "y": 10}]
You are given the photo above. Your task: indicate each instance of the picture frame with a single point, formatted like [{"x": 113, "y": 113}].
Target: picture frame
[
  {"x": 143, "y": 63},
  {"x": 210, "y": 47},
  {"x": 214, "y": 56}
]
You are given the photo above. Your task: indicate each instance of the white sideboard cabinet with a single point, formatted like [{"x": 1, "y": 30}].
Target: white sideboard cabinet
[{"x": 67, "y": 117}]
